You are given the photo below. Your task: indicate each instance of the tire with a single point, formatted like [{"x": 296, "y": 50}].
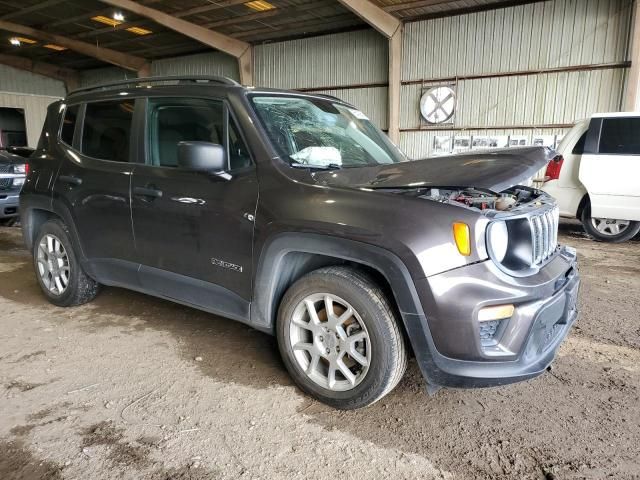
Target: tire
[
  {"x": 53, "y": 247},
  {"x": 608, "y": 235},
  {"x": 382, "y": 348}
]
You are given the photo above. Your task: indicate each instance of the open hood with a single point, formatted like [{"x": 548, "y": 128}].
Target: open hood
[{"x": 494, "y": 170}]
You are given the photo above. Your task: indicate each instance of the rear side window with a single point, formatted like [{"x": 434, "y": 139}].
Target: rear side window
[
  {"x": 69, "y": 124},
  {"x": 620, "y": 136},
  {"x": 107, "y": 130}
]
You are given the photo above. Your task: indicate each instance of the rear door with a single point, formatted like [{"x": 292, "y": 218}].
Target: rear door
[
  {"x": 610, "y": 167},
  {"x": 94, "y": 181},
  {"x": 194, "y": 230}
]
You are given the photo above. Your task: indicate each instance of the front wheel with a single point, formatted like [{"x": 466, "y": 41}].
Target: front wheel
[
  {"x": 339, "y": 338},
  {"x": 608, "y": 229}
]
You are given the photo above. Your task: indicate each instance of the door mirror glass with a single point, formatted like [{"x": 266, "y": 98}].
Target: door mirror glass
[{"x": 202, "y": 156}]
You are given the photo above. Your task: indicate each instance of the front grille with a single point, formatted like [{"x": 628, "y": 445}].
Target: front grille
[
  {"x": 544, "y": 232},
  {"x": 5, "y": 183}
]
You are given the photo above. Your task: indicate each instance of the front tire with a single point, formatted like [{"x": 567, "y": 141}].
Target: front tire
[
  {"x": 608, "y": 230},
  {"x": 339, "y": 338},
  {"x": 59, "y": 273}
]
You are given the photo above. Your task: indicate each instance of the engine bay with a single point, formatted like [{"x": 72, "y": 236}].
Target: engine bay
[
  {"x": 485, "y": 201},
  {"x": 481, "y": 199}
]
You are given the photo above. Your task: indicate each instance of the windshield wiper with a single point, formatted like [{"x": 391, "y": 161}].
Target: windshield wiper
[{"x": 331, "y": 166}]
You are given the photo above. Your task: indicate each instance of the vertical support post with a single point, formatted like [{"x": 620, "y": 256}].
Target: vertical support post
[
  {"x": 395, "y": 79},
  {"x": 632, "y": 103},
  {"x": 245, "y": 65}
]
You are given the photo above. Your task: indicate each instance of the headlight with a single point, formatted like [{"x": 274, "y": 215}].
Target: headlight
[
  {"x": 498, "y": 240},
  {"x": 20, "y": 169},
  {"x": 18, "y": 182}
]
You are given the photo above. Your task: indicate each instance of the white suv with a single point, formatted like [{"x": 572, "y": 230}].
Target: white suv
[{"x": 596, "y": 176}]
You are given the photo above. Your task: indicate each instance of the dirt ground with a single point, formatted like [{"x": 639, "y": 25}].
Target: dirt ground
[{"x": 132, "y": 387}]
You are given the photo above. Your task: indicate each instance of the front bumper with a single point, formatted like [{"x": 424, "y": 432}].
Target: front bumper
[
  {"x": 524, "y": 345},
  {"x": 9, "y": 204}
]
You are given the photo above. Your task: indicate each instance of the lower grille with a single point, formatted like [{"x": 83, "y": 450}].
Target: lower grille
[{"x": 544, "y": 230}]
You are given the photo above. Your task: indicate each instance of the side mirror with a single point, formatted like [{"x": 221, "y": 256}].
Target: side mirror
[{"x": 202, "y": 156}]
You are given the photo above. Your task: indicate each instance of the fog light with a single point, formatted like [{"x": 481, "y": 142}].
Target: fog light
[
  {"x": 498, "y": 312},
  {"x": 488, "y": 330}
]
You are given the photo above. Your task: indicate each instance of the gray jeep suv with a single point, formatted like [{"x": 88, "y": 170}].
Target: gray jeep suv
[{"x": 294, "y": 214}]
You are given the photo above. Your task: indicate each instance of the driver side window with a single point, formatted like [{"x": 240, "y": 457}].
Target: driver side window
[{"x": 177, "y": 120}]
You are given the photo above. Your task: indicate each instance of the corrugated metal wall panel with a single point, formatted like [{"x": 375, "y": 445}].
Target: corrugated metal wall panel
[
  {"x": 545, "y": 99},
  {"x": 324, "y": 61},
  {"x": 542, "y": 35},
  {"x": 35, "y": 111},
  {"x": 371, "y": 101},
  {"x": 20, "y": 81},
  {"x": 531, "y": 37},
  {"x": 214, "y": 63},
  {"x": 96, "y": 76}
]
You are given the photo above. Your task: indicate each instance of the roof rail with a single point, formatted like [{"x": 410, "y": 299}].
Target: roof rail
[{"x": 149, "y": 80}]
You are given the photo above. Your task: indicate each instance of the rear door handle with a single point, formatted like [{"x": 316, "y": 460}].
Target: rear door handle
[
  {"x": 147, "y": 192},
  {"x": 70, "y": 179}
]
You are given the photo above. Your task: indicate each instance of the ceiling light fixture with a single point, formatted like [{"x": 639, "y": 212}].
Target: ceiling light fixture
[
  {"x": 20, "y": 40},
  {"x": 52, "y": 46},
  {"x": 139, "y": 30},
  {"x": 106, "y": 20},
  {"x": 260, "y": 5},
  {"x": 118, "y": 16}
]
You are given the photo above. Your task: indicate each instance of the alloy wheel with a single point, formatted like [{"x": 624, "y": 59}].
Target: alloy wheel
[
  {"x": 330, "y": 342},
  {"x": 610, "y": 226},
  {"x": 53, "y": 264}
]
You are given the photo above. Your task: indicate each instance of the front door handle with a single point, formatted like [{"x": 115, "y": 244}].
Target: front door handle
[
  {"x": 70, "y": 179},
  {"x": 147, "y": 192}
]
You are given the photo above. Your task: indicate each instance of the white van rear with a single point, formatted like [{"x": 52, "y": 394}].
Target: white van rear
[{"x": 596, "y": 176}]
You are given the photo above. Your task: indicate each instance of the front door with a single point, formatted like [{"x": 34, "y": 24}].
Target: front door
[
  {"x": 194, "y": 230},
  {"x": 94, "y": 178}
]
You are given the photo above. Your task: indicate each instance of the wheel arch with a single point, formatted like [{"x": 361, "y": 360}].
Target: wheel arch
[
  {"x": 582, "y": 205},
  {"x": 34, "y": 215},
  {"x": 287, "y": 257}
]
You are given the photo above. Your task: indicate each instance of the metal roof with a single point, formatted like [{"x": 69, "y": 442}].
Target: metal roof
[{"x": 267, "y": 21}]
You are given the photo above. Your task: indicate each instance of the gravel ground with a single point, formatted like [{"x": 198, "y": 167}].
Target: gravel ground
[{"x": 132, "y": 387}]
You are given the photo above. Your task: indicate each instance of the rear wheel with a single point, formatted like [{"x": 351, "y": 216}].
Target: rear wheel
[
  {"x": 339, "y": 338},
  {"x": 608, "y": 229},
  {"x": 59, "y": 273}
]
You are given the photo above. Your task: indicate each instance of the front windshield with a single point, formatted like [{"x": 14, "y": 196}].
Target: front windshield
[{"x": 318, "y": 132}]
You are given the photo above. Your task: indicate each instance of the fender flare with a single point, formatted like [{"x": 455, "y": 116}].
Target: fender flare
[{"x": 273, "y": 264}]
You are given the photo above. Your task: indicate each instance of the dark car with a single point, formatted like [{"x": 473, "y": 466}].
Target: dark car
[
  {"x": 12, "y": 174},
  {"x": 294, "y": 214}
]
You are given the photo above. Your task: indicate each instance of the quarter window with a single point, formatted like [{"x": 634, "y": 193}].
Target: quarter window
[
  {"x": 620, "y": 136},
  {"x": 238, "y": 153},
  {"x": 69, "y": 124},
  {"x": 107, "y": 130}
]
